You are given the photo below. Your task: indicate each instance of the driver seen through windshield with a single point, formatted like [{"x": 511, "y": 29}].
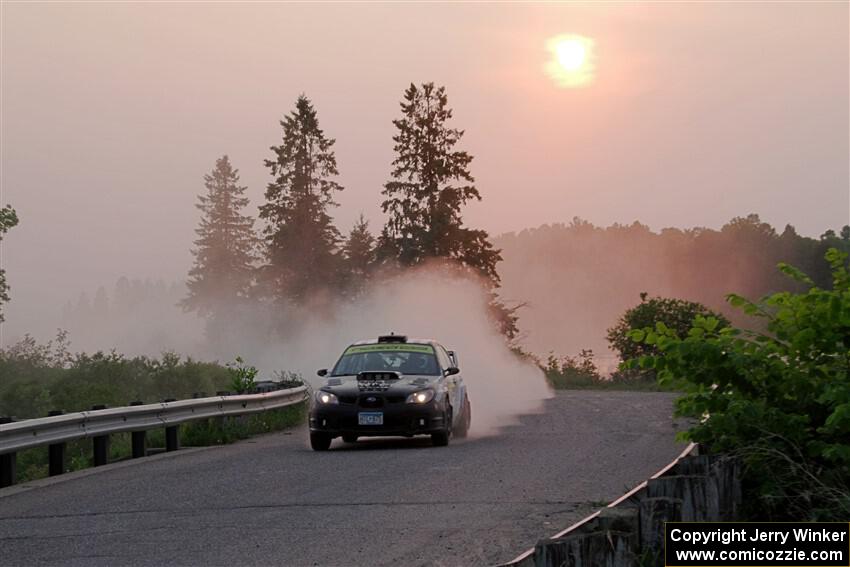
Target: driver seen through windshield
[{"x": 407, "y": 359}]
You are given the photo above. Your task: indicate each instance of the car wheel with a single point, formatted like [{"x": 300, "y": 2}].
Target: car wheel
[
  {"x": 349, "y": 438},
  {"x": 441, "y": 438},
  {"x": 320, "y": 441},
  {"x": 465, "y": 420}
]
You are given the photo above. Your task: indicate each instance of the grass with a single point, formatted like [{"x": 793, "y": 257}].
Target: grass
[{"x": 32, "y": 463}]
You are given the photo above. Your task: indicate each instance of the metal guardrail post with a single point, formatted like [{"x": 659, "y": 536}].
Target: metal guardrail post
[
  {"x": 55, "y": 453},
  {"x": 100, "y": 444},
  {"x": 172, "y": 438},
  {"x": 8, "y": 463},
  {"x": 172, "y": 433},
  {"x": 139, "y": 439},
  {"x": 8, "y": 469}
]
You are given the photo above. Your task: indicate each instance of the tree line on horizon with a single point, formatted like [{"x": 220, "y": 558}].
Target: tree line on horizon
[
  {"x": 299, "y": 255},
  {"x": 579, "y": 278}
]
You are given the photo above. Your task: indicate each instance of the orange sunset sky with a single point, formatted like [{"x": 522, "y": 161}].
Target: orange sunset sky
[{"x": 687, "y": 114}]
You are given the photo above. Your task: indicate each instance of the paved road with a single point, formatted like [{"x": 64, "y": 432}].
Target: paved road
[{"x": 272, "y": 501}]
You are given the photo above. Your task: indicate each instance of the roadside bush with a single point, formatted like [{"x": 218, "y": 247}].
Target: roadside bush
[
  {"x": 780, "y": 398},
  {"x": 241, "y": 376},
  {"x": 572, "y": 371},
  {"x": 675, "y": 314},
  {"x": 581, "y": 373},
  {"x": 36, "y": 378}
]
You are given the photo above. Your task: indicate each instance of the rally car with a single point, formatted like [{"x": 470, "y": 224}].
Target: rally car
[{"x": 389, "y": 387}]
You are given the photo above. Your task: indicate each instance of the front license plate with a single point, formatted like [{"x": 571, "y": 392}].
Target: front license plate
[{"x": 370, "y": 418}]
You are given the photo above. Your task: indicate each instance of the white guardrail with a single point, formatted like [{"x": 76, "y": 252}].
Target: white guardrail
[{"x": 30, "y": 433}]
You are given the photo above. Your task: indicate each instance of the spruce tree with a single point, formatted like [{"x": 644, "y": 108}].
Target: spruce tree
[
  {"x": 225, "y": 251},
  {"x": 359, "y": 254},
  {"x": 430, "y": 184},
  {"x": 301, "y": 240}
]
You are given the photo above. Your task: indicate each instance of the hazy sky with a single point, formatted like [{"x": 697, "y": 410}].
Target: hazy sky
[{"x": 113, "y": 112}]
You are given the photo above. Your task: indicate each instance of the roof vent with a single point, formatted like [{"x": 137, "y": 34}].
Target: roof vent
[{"x": 392, "y": 338}]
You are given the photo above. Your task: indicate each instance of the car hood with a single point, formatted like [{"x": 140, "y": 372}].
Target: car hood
[{"x": 352, "y": 386}]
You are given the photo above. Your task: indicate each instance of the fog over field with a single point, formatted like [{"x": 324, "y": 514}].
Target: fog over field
[{"x": 425, "y": 302}]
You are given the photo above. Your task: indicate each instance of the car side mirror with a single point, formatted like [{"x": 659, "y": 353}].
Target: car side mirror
[
  {"x": 452, "y": 370},
  {"x": 322, "y": 372},
  {"x": 453, "y": 357}
]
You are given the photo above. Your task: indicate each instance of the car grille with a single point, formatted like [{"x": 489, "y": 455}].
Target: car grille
[
  {"x": 376, "y": 400},
  {"x": 371, "y": 401}
]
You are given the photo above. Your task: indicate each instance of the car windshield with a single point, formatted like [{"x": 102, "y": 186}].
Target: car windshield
[{"x": 404, "y": 358}]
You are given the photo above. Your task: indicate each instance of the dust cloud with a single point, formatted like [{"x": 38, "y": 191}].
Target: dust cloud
[
  {"x": 424, "y": 302},
  {"x": 420, "y": 303}
]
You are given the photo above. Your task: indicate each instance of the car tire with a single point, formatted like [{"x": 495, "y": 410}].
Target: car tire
[
  {"x": 320, "y": 441},
  {"x": 441, "y": 438},
  {"x": 465, "y": 420},
  {"x": 349, "y": 438}
]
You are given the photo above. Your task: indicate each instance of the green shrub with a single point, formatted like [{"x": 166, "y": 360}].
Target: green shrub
[
  {"x": 39, "y": 378},
  {"x": 241, "y": 376},
  {"x": 676, "y": 314},
  {"x": 572, "y": 371},
  {"x": 581, "y": 373},
  {"x": 780, "y": 398}
]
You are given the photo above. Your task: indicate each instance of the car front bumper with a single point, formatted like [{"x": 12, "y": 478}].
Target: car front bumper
[{"x": 399, "y": 419}]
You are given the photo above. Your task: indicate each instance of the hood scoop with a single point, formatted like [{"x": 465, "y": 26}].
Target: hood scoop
[
  {"x": 334, "y": 382},
  {"x": 377, "y": 381},
  {"x": 374, "y": 376}
]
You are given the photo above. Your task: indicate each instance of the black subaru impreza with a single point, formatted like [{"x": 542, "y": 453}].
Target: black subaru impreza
[{"x": 391, "y": 386}]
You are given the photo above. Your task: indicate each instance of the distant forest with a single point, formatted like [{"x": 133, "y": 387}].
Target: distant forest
[{"x": 577, "y": 278}]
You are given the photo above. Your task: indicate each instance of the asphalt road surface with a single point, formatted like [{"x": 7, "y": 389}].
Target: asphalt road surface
[{"x": 272, "y": 501}]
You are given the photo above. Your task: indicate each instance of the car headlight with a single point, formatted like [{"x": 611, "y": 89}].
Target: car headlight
[
  {"x": 326, "y": 398},
  {"x": 420, "y": 397}
]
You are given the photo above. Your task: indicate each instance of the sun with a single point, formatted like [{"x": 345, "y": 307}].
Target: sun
[
  {"x": 572, "y": 62},
  {"x": 571, "y": 54}
]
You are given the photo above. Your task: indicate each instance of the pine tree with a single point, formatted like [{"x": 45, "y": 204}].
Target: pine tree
[
  {"x": 224, "y": 252},
  {"x": 431, "y": 182},
  {"x": 301, "y": 240},
  {"x": 8, "y": 219},
  {"x": 359, "y": 254}
]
